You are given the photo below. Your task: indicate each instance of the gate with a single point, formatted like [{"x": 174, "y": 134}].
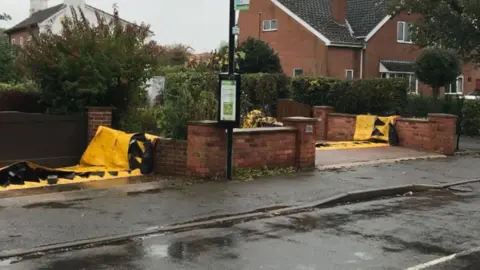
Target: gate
[{"x": 49, "y": 140}]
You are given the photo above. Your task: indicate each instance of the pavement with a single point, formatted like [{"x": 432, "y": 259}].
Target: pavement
[
  {"x": 326, "y": 158},
  {"x": 40, "y": 223},
  {"x": 470, "y": 143},
  {"x": 396, "y": 233}
]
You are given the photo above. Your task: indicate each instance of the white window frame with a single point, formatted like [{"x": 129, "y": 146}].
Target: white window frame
[
  {"x": 410, "y": 76},
  {"x": 269, "y": 28},
  {"x": 404, "y": 26},
  {"x": 295, "y": 69},
  {"x": 456, "y": 82},
  {"x": 21, "y": 41},
  {"x": 12, "y": 41},
  {"x": 346, "y": 74}
]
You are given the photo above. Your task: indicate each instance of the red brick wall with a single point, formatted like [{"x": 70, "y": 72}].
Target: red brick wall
[
  {"x": 321, "y": 113},
  {"x": 260, "y": 147},
  {"x": 435, "y": 134},
  {"x": 340, "y": 59},
  {"x": 305, "y": 141},
  {"x": 414, "y": 133},
  {"x": 384, "y": 46},
  {"x": 170, "y": 157},
  {"x": 98, "y": 116},
  {"x": 206, "y": 149},
  {"x": 21, "y": 34},
  {"x": 296, "y": 46},
  {"x": 291, "y": 145},
  {"x": 341, "y": 127}
]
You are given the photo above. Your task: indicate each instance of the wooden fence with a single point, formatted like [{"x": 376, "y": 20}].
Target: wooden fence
[
  {"x": 289, "y": 108},
  {"x": 49, "y": 140}
]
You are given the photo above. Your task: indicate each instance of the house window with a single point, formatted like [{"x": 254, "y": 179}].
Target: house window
[
  {"x": 269, "y": 25},
  {"x": 412, "y": 80},
  {"x": 297, "y": 72},
  {"x": 21, "y": 41},
  {"x": 13, "y": 41},
  {"x": 349, "y": 74},
  {"x": 403, "y": 32},
  {"x": 456, "y": 88}
]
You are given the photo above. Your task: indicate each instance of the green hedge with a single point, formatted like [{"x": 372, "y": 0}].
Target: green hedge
[
  {"x": 375, "y": 96},
  {"x": 22, "y": 98},
  {"x": 191, "y": 95},
  {"x": 262, "y": 90},
  {"x": 471, "y": 118},
  {"x": 468, "y": 111},
  {"x": 187, "y": 96}
]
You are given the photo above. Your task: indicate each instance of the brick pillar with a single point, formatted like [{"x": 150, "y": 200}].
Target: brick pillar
[
  {"x": 206, "y": 150},
  {"x": 98, "y": 116},
  {"x": 321, "y": 113},
  {"x": 305, "y": 141},
  {"x": 443, "y": 129}
]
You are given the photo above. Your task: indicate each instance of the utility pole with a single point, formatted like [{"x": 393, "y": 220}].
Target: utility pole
[{"x": 231, "y": 75}]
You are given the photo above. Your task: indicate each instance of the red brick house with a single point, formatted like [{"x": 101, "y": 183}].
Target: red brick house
[{"x": 350, "y": 39}]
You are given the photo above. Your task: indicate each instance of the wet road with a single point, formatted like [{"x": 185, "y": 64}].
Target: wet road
[
  {"x": 41, "y": 224},
  {"x": 385, "y": 234}
]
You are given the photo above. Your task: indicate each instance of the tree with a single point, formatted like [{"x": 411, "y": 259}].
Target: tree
[
  {"x": 259, "y": 57},
  {"x": 4, "y": 17},
  {"x": 437, "y": 68},
  {"x": 175, "y": 55},
  {"x": 106, "y": 64},
  {"x": 450, "y": 24},
  {"x": 8, "y": 71}
]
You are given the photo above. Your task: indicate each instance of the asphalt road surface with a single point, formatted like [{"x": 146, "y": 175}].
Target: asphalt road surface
[{"x": 396, "y": 233}]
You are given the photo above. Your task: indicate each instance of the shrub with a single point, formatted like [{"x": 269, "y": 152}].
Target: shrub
[
  {"x": 468, "y": 111},
  {"x": 262, "y": 90},
  {"x": 375, "y": 96},
  {"x": 259, "y": 57},
  {"x": 22, "y": 98},
  {"x": 311, "y": 90},
  {"x": 471, "y": 118},
  {"x": 105, "y": 64},
  {"x": 142, "y": 120},
  {"x": 256, "y": 117},
  {"x": 188, "y": 96}
]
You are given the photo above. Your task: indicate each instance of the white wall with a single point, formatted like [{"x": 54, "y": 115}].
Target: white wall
[{"x": 56, "y": 24}]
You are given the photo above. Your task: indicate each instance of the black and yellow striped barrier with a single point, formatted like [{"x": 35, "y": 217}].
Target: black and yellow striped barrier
[{"x": 111, "y": 154}]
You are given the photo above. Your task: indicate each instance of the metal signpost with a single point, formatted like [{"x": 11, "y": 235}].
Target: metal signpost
[{"x": 229, "y": 87}]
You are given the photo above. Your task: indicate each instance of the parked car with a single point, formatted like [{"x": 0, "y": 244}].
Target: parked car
[{"x": 475, "y": 95}]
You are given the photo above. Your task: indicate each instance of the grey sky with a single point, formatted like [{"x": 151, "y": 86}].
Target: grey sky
[{"x": 202, "y": 24}]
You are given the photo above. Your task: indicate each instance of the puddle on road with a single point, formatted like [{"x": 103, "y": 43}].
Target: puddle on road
[
  {"x": 190, "y": 249},
  {"x": 259, "y": 210},
  {"x": 151, "y": 191},
  {"x": 52, "y": 205},
  {"x": 80, "y": 186}
]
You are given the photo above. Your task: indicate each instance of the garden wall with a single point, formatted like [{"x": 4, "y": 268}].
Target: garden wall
[
  {"x": 260, "y": 147},
  {"x": 290, "y": 146},
  {"x": 437, "y": 133},
  {"x": 170, "y": 156}
]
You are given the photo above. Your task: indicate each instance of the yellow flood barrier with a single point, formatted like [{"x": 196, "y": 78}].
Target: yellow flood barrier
[
  {"x": 111, "y": 154},
  {"x": 371, "y": 127}
]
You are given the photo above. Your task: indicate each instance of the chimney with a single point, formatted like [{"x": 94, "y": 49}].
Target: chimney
[
  {"x": 37, "y": 5},
  {"x": 339, "y": 10}
]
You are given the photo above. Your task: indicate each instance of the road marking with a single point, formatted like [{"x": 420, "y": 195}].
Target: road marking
[{"x": 444, "y": 259}]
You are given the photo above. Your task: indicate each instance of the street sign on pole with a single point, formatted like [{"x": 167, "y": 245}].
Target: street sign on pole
[
  {"x": 228, "y": 95},
  {"x": 242, "y": 4}
]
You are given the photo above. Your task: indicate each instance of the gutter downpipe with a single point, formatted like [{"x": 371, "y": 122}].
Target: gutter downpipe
[{"x": 362, "y": 60}]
